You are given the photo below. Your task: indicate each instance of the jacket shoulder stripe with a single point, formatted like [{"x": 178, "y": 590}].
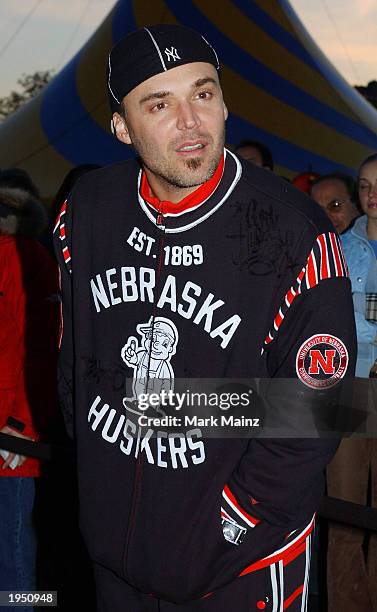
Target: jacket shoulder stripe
[
  {"x": 336, "y": 255},
  {"x": 345, "y": 267},
  {"x": 324, "y": 257},
  {"x": 325, "y": 260},
  {"x": 60, "y": 225},
  {"x": 311, "y": 272}
]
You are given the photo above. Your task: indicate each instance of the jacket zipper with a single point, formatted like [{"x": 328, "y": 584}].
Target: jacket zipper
[{"x": 139, "y": 459}]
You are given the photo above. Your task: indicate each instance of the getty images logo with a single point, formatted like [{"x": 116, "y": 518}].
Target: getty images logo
[{"x": 172, "y": 54}]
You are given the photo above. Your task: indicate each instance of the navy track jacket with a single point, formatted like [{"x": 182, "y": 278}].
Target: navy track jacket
[{"x": 245, "y": 278}]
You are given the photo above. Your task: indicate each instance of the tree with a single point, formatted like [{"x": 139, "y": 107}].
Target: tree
[
  {"x": 29, "y": 86},
  {"x": 369, "y": 92}
]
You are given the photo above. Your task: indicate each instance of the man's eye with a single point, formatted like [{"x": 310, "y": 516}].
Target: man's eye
[
  {"x": 159, "y": 106},
  {"x": 204, "y": 95},
  {"x": 335, "y": 205}
]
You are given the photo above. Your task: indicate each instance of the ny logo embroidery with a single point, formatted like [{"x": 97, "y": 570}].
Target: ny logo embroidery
[{"x": 172, "y": 54}]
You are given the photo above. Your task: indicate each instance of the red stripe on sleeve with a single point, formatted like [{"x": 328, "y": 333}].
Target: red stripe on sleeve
[
  {"x": 311, "y": 272},
  {"x": 66, "y": 254},
  {"x": 278, "y": 320}
]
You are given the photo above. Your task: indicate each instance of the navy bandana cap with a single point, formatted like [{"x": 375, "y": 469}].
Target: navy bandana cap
[{"x": 150, "y": 51}]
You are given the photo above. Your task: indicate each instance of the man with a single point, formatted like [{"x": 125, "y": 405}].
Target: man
[
  {"x": 336, "y": 194},
  {"x": 256, "y": 153},
  {"x": 226, "y": 254}
]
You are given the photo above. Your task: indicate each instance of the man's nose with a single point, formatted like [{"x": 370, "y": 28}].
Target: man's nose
[
  {"x": 187, "y": 118},
  {"x": 335, "y": 219}
]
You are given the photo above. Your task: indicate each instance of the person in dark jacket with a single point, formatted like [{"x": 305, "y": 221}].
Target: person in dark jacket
[{"x": 190, "y": 264}]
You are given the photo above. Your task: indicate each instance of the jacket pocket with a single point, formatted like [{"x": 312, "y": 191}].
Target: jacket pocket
[{"x": 236, "y": 522}]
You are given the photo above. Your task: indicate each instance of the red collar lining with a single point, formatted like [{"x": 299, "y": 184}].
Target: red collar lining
[{"x": 193, "y": 200}]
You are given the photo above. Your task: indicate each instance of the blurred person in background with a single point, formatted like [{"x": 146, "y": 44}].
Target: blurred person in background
[
  {"x": 336, "y": 193},
  {"x": 256, "y": 153},
  {"x": 352, "y": 578},
  {"x": 305, "y": 180},
  {"x": 29, "y": 315},
  {"x": 17, "y": 178}
]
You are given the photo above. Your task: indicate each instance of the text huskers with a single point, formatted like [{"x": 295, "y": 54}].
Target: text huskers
[{"x": 163, "y": 449}]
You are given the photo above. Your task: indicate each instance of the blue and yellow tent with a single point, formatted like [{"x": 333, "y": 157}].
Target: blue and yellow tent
[{"x": 278, "y": 86}]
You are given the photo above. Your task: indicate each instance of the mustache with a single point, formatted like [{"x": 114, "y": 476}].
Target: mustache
[{"x": 177, "y": 142}]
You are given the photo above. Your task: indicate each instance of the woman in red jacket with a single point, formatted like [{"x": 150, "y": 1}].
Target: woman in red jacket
[{"x": 29, "y": 310}]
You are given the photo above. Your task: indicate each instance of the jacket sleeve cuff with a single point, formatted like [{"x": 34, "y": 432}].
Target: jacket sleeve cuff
[{"x": 234, "y": 511}]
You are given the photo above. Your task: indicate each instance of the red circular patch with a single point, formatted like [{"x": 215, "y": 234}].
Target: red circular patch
[
  {"x": 321, "y": 361},
  {"x": 261, "y": 605}
]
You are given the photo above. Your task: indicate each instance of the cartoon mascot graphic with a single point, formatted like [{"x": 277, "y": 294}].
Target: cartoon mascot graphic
[{"x": 150, "y": 359}]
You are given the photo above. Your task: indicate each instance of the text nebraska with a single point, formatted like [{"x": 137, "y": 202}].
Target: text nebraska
[{"x": 129, "y": 284}]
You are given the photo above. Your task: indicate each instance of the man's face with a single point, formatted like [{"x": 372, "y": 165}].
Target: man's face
[
  {"x": 176, "y": 122},
  {"x": 333, "y": 197}
]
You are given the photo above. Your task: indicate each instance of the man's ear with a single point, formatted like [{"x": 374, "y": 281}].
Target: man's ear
[
  {"x": 225, "y": 112},
  {"x": 120, "y": 129}
]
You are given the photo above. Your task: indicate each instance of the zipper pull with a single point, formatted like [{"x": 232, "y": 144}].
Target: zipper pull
[{"x": 160, "y": 220}]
